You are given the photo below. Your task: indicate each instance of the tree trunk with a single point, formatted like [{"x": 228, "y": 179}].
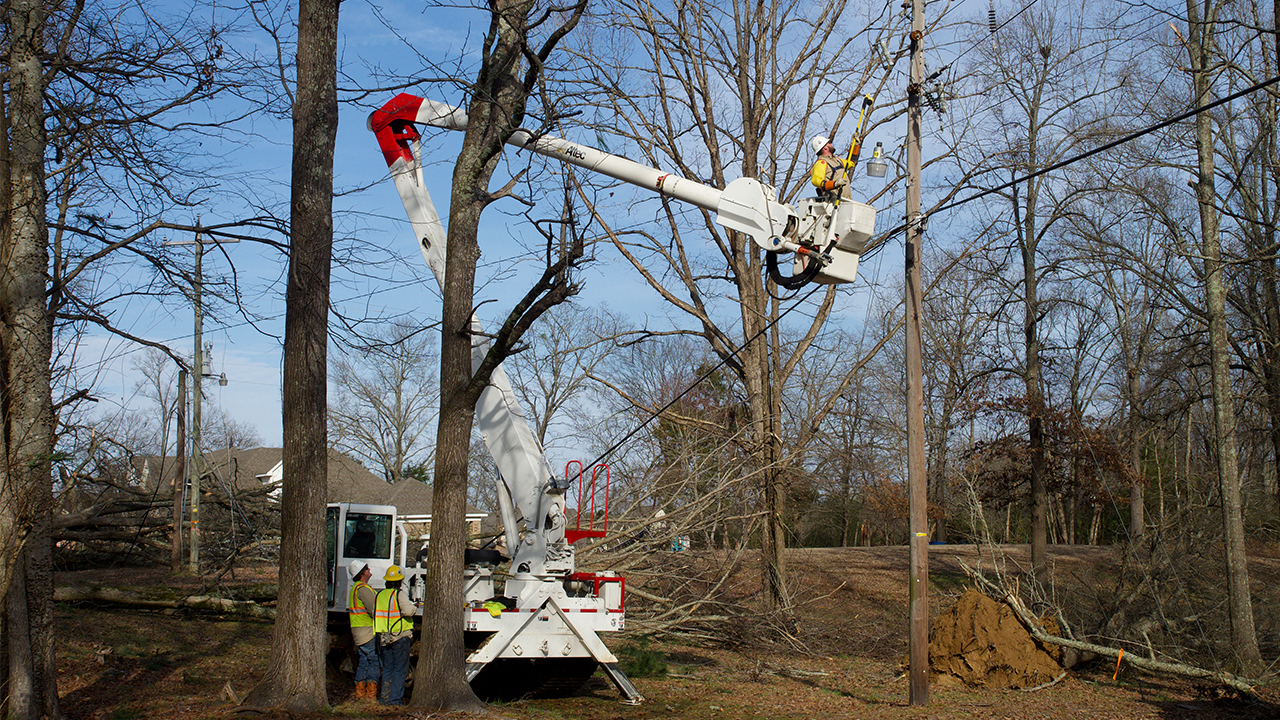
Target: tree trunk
[
  {"x": 757, "y": 365},
  {"x": 26, "y": 404},
  {"x": 1136, "y": 501},
  {"x": 21, "y": 677},
  {"x": 1243, "y": 634},
  {"x": 496, "y": 108},
  {"x": 1272, "y": 293},
  {"x": 296, "y": 679},
  {"x": 39, "y": 567},
  {"x": 26, "y": 340},
  {"x": 1031, "y": 373},
  {"x": 440, "y": 681}
]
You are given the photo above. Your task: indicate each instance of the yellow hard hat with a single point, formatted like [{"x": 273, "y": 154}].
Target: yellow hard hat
[{"x": 393, "y": 574}]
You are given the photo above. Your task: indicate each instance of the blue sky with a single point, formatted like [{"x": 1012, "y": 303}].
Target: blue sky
[{"x": 368, "y": 209}]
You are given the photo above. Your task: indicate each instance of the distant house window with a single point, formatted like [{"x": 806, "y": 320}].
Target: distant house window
[
  {"x": 367, "y": 536},
  {"x": 140, "y": 475}
]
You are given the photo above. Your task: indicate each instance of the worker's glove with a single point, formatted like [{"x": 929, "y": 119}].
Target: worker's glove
[{"x": 842, "y": 181}]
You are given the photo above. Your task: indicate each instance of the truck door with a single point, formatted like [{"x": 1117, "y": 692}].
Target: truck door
[{"x": 331, "y": 549}]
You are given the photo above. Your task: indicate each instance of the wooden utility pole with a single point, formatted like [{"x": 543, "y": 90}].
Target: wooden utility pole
[
  {"x": 917, "y": 489},
  {"x": 197, "y": 392},
  {"x": 197, "y": 389},
  {"x": 179, "y": 473}
]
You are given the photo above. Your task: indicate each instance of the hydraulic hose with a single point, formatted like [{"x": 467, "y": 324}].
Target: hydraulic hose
[{"x": 790, "y": 282}]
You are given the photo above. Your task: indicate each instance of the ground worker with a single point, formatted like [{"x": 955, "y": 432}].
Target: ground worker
[
  {"x": 393, "y": 622},
  {"x": 360, "y": 612},
  {"x": 830, "y": 171}
]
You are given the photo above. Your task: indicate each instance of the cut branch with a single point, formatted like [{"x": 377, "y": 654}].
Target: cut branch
[{"x": 1028, "y": 619}]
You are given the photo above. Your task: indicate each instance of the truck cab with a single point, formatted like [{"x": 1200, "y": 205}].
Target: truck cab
[{"x": 369, "y": 533}]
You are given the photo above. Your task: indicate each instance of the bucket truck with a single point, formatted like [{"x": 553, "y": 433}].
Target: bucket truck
[{"x": 547, "y": 628}]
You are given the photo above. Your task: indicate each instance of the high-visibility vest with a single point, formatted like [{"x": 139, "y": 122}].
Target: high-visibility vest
[
  {"x": 357, "y": 613},
  {"x": 826, "y": 171},
  {"x": 387, "y": 617}
]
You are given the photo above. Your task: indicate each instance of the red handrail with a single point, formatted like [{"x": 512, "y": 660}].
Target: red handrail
[
  {"x": 577, "y": 533},
  {"x": 578, "y": 524}
]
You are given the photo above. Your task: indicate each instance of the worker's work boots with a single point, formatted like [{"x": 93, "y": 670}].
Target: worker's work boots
[{"x": 367, "y": 690}]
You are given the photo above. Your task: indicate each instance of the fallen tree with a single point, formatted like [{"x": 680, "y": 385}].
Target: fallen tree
[
  {"x": 1029, "y": 620},
  {"x": 161, "y": 598}
]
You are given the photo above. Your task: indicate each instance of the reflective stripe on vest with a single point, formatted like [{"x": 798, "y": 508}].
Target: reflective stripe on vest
[
  {"x": 387, "y": 617},
  {"x": 357, "y": 613}
]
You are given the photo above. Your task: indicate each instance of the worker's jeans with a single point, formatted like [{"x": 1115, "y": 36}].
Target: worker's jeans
[
  {"x": 395, "y": 667},
  {"x": 369, "y": 664}
]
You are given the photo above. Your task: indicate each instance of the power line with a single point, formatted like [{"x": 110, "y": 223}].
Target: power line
[
  {"x": 1090, "y": 153},
  {"x": 994, "y": 28},
  {"x": 723, "y": 361},
  {"x": 1114, "y": 143},
  {"x": 1056, "y": 166}
]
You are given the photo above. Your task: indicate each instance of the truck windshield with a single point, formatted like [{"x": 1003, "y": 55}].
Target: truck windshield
[{"x": 367, "y": 536}]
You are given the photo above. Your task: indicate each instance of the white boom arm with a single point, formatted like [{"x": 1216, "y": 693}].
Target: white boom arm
[
  {"x": 829, "y": 234},
  {"x": 526, "y": 483}
]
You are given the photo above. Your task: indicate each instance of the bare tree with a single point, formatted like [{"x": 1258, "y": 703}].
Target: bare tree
[
  {"x": 221, "y": 431},
  {"x": 387, "y": 394},
  {"x": 693, "y": 52},
  {"x": 521, "y": 37},
  {"x": 959, "y": 313},
  {"x": 91, "y": 89},
  {"x": 296, "y": 678},
  {"x": 1202, "y": 19},
  {"x": 553, "y": 375},
  {"x": 26, "y": 399},
  {"x": 1046, "y": 64}
]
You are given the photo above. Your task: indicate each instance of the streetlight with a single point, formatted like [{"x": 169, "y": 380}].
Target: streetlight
[
  {"x": 877, "y": 166},
  {"x": 202, "y": 369}
]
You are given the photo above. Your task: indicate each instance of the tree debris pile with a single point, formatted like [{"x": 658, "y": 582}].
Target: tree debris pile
[{"x": 982, "y": 643}]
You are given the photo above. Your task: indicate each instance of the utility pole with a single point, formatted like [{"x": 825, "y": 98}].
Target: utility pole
[
  {"x": 197, "y": 391},
  {"x": 199, "y": 371},
  {"x": 180, "y": 473},
  {"x": 917, "y": 483}
]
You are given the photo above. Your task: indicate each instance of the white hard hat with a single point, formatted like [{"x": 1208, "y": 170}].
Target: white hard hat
[
  {"x": 356, "y": 567},
  {"x": 818, "y": 142}
]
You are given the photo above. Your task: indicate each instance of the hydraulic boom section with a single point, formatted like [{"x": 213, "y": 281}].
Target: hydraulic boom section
[{"x": 826, "y": 236}]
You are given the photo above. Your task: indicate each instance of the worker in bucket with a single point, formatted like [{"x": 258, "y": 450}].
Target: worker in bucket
[
  {"x": 830, "y": 171},
  {"x": 361, "y": 615},
  {"x": 393, "y": 621}
]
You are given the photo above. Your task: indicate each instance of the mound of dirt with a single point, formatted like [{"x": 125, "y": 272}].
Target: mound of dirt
[{"x": 981, "y": 643}]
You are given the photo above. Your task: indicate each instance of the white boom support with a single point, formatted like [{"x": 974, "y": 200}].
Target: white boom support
[{"x": 523, "y": 470}]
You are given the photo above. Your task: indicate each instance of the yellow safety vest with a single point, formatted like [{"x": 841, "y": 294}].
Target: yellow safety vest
[
  {"x": 357, "y": 613},
  {"x": 387, "y": 617},
  {"x": 826, "y": 171}
]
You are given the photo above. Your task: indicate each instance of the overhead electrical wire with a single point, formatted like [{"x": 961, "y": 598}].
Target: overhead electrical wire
[
  {"x": 723, "y": 361},
  {"x": 994, "y": 28},
  {"x": 1090, "y": 153},
  {"x": 949, "y": 206}
]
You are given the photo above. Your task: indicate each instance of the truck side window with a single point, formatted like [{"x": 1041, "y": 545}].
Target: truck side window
[{"x": 367, "y": 536}]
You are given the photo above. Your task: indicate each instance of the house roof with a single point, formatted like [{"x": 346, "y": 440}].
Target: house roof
[{"x": 349, "y": 481}]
